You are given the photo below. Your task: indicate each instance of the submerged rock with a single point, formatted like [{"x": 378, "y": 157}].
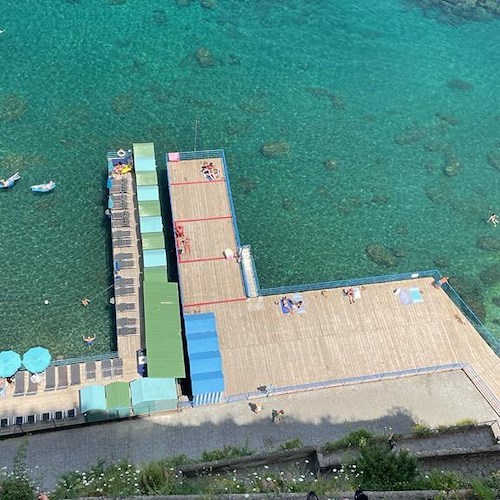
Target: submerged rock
[
  {"x": 204, "y": 57},
  {"x": 494, "y": 160},
  {"x": 276, "y": 149},
  {"x": 452, "y": 167},
  {"x": 472, "y": 295},
  {"x": 12, "y": 107},
  {"x": 489, "y": 244},
  {"x": 491, "y": 275},
  {"x": 458, "y": 84},
  {"x": 380, "y": 255},
  {"x": 209, "y": 4},
  {"x": 331, "y": 164}
]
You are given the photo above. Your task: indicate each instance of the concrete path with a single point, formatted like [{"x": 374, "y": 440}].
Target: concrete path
[{"x": 314, "y": 417}]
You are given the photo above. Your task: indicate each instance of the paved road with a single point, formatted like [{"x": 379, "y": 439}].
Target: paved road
[{"x": 314, "y": 417}]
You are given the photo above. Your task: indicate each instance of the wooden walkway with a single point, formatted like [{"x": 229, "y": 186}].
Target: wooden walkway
[
  {"x": 201, "y": 209},
  {"x": 332, "y": 338}
]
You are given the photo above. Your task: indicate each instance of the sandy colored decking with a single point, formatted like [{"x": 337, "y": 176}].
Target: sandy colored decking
[
  {"x": 202, "y": 208},
  {"x": 332, "y": 339}
]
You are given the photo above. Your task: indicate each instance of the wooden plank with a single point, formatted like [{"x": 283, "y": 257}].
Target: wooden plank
[{"x": 335, "y": 339}]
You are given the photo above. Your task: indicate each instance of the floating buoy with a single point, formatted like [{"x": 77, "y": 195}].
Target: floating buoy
[{"x": 121, "y": 153}]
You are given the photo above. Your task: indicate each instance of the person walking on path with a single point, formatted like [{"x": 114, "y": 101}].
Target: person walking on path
[{"x": 276, "y": 416}]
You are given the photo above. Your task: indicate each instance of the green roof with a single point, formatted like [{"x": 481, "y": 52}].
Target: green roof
[
  {"x": 162, "y": 326},
  {"x": 146, "y": 178},
  {"x": 151, "y": 241},
  {"x": 144, "y": 149},
  {"x": 117, "y": 395},
  {"x": 147, "y": 208}
]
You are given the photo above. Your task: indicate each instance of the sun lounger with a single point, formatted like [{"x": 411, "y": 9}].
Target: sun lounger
[
  {"x": 118, "y": 367},
  {"x": 50, "y": 378},
  {"x": 90, "y": 370},
  {"x": 19, "y": 384},
  {"x": 127, "y": 330},
  {"x": 127, "y": 290},
  {"x": 31, "y": 419},
  {"x": 125, "y": 322},
  {"x": 32, "y": 387},
  {"x": 75, "y": 374},
  {"x": 4, "y": 422},
  {"x": 106, "y": 368},
  {"x": 126, "y": 306},
  {"x": 62, "y": 377},
  {"x": 121, "y": 256},
  {"x": 122, "y": 242}
]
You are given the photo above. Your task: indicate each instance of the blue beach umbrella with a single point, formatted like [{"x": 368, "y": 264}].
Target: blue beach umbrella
[
  {"x": 37, "y": 359},
  {"x": 10, "y": 362}
]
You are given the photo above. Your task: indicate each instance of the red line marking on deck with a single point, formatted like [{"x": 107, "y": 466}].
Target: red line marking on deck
[
  {"x": 187, "y": 183},
  {"x": 216, "y": 217},
  {"x": 223, "y": 301},
  {"x": 187, "y": 261}
]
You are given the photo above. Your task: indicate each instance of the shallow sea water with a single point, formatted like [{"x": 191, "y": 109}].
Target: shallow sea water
[{"x": 359, "y": 82}]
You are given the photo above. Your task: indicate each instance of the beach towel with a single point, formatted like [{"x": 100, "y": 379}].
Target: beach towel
[
  {"x": 174, "y": 157},
  {"x": 357, "y": 293},
  {"x": 415, "y": 295},
  {"x": 285, "y": 306}
]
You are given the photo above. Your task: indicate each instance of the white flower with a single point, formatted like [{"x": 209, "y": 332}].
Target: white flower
[
  {"x": 268, "y": 479},
  {"x": 301, "y": 479},
  {"x": 306, "y": 461},
  {"x": 266, "y": 466}
]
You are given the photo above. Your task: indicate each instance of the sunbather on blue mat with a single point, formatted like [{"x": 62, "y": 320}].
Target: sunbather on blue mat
[{"x": 286, "y": 305}]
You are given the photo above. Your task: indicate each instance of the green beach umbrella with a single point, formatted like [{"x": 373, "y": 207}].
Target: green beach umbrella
[
  {"x": 10, "y": 362},
  {"x": 37, "y": 359}
]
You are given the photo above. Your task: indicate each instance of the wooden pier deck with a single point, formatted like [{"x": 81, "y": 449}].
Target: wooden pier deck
[
  {"x": 201, "y": 207},
  {"x": 332, "y": 339}
]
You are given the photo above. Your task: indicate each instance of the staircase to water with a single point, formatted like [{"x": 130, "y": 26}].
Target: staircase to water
[{"x": 248, "y": 270}]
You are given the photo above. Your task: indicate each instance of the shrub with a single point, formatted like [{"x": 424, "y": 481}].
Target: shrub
[
  {"x": 482, "y": 492},
  {"x": 17, "y": 485},
  {"x": 356, "y": 439},
  {"x": 291, "y": 445},
  {"x": 447, "y": 481},
  {"x": 111, "y": 480},
  {"x": 421, "y": 429},
  {"x": 384, "y": 470},
  {"x": 227, "y": 452}
]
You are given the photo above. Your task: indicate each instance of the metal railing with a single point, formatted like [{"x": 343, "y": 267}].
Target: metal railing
[
  {"x": 368, "y": 280},
  {"x": 84, "y": 359},
  {"x": 326, "y": 384}
]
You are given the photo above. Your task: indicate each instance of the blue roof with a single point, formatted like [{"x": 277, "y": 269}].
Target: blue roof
[
  {"x": 146, "y": 390},
  {"x": 144, "y": 164},
  {"x": 207, "y": 382},
  {"x": 152, "y": 224},
  {"x": 196, "y": 323},
  {"x": 205, "y": 362},
  {"x": 155, "y": 258},
  {"x": 92, "y": 397},
  {"x": 203, "y": 344},
  {"x": 147, "y": 193}
]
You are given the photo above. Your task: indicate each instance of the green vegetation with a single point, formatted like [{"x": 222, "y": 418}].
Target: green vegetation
[
  {"x": 422, "y": 429},
  {"x": 384, "y": 470},
  {"x": 356, "y": 439},
  {"x": 377, "y": 467},
  {"x": 291, "y": 445},
  {"x": 227, "y": 452}
]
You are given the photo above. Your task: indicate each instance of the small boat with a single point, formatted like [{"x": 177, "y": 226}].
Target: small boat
[
  {"x": 43, "y": 188},
  {"x": 5, "y": 184}
]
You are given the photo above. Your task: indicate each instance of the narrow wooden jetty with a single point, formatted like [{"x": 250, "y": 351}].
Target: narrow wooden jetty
[{"x": 330, "y": 338}]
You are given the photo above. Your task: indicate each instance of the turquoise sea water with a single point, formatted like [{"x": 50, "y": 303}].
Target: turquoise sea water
[{"x": 391, "y": 96}]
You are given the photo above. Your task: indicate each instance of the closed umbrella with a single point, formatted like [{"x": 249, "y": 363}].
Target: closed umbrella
[
  {"x": 10, "y": 362},
  {"x": 37, "y": 359}
]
